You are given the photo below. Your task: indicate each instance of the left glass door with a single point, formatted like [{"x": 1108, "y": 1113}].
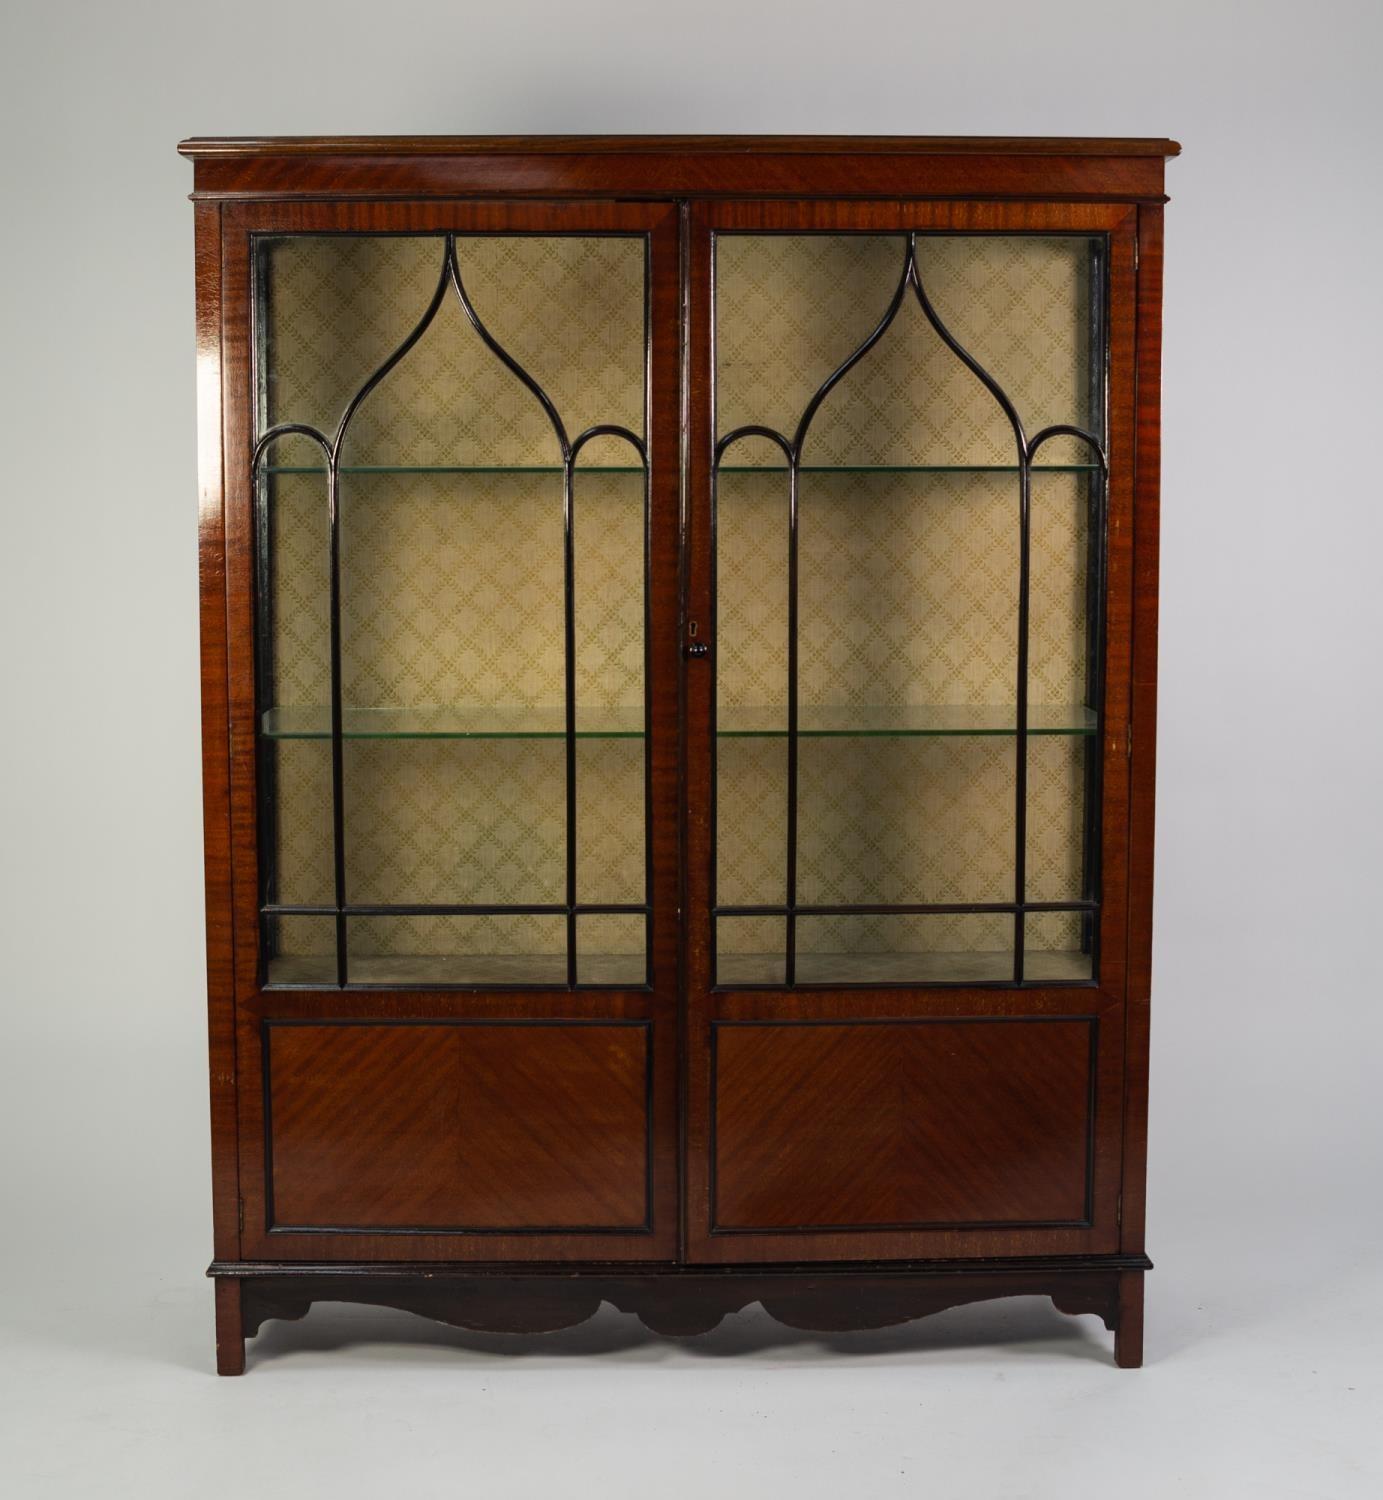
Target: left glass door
[{"x": 452, "y": 523}]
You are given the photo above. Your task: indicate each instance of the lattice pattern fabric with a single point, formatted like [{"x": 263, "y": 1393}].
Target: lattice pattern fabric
[
  {"x": 790, "y": 308},
  {"x": 908, "y": 583},
  {"x": 452, "y": 583}
]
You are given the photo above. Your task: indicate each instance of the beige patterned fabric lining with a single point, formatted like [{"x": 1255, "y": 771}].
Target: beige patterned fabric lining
[
  {"x": 452, "y": 583},
  {"x": 790, "y": 308},
  {"x": 908, "y": 583}
]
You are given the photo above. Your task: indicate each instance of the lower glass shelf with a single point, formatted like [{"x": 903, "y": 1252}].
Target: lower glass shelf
[
  {"x": 769, "y": 470},
  {"x": 902, "y": 968},
  {"x": 815, "y": 721},
  {"x": 318, "y": 971},
  {"x": 845, "y": 721},
  {"x": 453, "y": 723}
]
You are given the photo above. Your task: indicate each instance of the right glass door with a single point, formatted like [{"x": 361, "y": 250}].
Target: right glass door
[{"x": 908, "y": 494}]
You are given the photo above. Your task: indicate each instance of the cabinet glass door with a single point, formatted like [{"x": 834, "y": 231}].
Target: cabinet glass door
[
  {"x": 909, "y": 499},
  {"x": 452, "y": 511}
]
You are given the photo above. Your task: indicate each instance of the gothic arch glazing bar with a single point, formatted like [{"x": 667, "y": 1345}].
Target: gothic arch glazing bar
[
  {"x": 449, "y": 279},
  {"x": 1025, "y": 451}
]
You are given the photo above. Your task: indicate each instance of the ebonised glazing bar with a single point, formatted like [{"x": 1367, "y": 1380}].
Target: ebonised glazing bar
[
  {"x": 911, "y": 280},
  {"x": 450, "y": 277}
]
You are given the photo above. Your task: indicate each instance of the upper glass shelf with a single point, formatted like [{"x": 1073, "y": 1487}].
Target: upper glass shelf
[
  {"x": 453, "y": 469},
  {"x": 844, "y": 721},
  {"x": 353, "y": 469},
  {"x": 910, "y": 469}
]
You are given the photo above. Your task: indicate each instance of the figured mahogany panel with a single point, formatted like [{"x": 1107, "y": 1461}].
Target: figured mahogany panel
[
  {"x": 902, "y": 1124},
  {"x": 1143, "y": 738},
  {"x": 456, "y": 1126},
  {"x": 216, "y": 820}
]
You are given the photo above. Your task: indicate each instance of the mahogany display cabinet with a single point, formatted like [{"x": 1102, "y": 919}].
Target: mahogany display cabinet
[{"x": 678, "y": 663}]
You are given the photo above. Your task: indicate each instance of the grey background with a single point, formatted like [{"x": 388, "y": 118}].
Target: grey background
[{"x": 1263, "y": 1337}]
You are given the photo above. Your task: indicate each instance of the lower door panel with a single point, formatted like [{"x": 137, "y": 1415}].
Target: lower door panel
[
  {"x": 369, "y": 1137},
  {"x": 458, "y": 1127},
  {"x": 908, "y": 1136},
  {"x": 913, "y": 1125}
]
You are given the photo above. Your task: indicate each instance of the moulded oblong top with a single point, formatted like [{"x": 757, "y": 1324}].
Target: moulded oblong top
[{"x": 467, "y": 145}]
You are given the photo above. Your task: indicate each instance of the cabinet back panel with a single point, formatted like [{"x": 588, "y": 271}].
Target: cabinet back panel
[
  {"x": 458, "y": 1126},
  {"x": 914, "y": 1124}
]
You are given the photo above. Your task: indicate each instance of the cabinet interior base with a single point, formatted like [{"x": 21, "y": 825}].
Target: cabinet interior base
[{"x": 318, "y": 971}]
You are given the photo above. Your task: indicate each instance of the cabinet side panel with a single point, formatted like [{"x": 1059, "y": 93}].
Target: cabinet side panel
[
  {"x": 1144, "y": 736},
  {"x": 237, "y": 403},
  {"x": 220, "y": 934}
]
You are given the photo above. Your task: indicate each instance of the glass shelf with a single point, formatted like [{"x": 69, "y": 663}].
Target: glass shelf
[
  {"x": 911, "y": 469},
  {"x": 822, "y": 721},
  {"x": 724, "y": 469},
  {"x": 620, "y": 970},
  {"x": 814, "y": 721},
  {"x": 1045, "y": 966},
  {"x": 454, "y": 723},
  {"x": 453, "y": 469}
]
